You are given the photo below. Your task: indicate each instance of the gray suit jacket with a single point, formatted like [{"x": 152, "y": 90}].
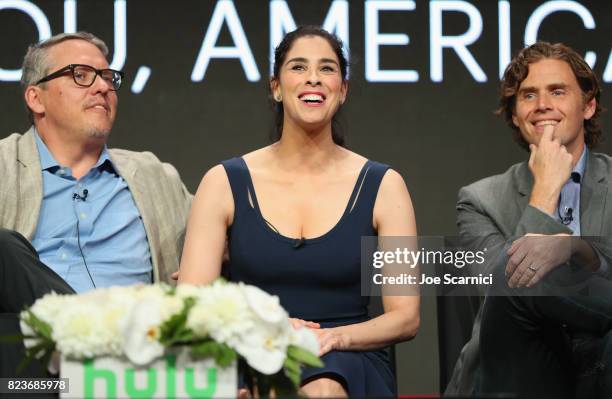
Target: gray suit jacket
[
  {"x": 159, "y": 194},
  {"x": 495, "y": 209}
]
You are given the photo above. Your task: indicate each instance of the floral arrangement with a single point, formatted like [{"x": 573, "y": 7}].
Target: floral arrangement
[{"x": 222, "y": 320}]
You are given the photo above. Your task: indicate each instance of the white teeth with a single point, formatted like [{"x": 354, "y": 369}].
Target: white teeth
[
  {"x": 547, "y": 122},
  {"x": 312, "y": 97}
]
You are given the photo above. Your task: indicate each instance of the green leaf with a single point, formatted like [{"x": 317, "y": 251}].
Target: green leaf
[
  {"x": 12, "y": 338},
  {"x": 304, "y": 356},
  {"x": 41, "y": 327},
  {"x": 292, "y": 371},
  {"x": 174, "y": 330},
  {"x": 223, "y": 354}
]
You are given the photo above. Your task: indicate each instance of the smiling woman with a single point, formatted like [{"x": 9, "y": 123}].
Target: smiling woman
[{"x": 294, "y": 213}]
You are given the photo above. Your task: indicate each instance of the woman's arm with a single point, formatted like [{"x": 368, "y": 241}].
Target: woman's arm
[
  {"x": 393, "y": 216},
  {"x": 211, "y": 213}
]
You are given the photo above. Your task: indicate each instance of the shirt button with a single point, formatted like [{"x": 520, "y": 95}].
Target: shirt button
[
  {"x": 83, "y": 215},
  {"x": 64, "y": 256}
]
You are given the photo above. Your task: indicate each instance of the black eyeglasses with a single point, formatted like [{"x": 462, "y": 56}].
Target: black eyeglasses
[{"x": 85, "y": 75}]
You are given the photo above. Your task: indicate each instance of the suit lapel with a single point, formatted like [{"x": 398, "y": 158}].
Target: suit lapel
[
  {"x": 30, "y": 185},
  {"x": 524, "y": 185},
  {"x": 145, "y": 204},
  {"x": 593, "y": 192}
]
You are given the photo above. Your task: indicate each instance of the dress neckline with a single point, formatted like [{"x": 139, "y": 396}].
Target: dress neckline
[{"x": 276, "y": 234}]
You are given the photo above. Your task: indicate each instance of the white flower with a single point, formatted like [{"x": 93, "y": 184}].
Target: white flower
[
  {"x": 141, "y": 331},
  {"x": 264, "y": 348},
  {"x": 188, "y": 291},
  {"x": 220, "y": 312},
  {"x": 82, "y": 331},
  {"x": 127, "y": 321},
  {"x": 267, "y": 307},
  {"x": 305, "y": 339},
  {"x": 27, "y": 331}
]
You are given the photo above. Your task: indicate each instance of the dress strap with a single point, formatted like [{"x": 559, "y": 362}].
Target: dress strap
[
  {"x": 240, "y": 182},
  {"x": 366, "y": 190}
]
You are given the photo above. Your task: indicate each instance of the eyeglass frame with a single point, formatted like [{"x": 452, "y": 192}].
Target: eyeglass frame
[{"x": 70, "y": 67}]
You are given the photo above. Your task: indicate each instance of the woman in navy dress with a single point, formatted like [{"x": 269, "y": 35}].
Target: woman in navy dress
[{"x": 294, "y": 213}]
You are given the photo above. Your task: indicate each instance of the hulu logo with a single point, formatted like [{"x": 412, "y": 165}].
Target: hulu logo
[{"x": 155, "y": 379}]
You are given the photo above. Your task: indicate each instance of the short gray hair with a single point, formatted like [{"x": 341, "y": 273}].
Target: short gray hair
[{"x": 36, "y": 61}]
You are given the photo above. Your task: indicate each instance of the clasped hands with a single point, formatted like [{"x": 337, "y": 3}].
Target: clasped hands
[
  {"x": 329, "y": 338},
  {"x": 533, "y": 256}
]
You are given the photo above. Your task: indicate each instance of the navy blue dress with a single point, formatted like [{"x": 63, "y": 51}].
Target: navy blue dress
[{"x": 317, "y": 279}]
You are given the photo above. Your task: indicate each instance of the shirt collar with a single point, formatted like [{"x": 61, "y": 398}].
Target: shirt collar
[{"x": 48, "y": 162}]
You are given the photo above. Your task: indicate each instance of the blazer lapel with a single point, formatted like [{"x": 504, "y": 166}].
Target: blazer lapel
[
  {"x": 593, "y": 193},
  {"x": 30, "y": 185},
  {"x": 524, "y": 185},
  {"x": 145, "y": 204}
]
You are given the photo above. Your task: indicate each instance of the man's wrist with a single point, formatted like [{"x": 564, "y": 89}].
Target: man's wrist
[{"x": 545, "y": 199}]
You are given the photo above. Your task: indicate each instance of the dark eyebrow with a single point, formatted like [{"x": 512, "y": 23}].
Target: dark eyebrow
[
  {"x": 551, "y": 86},
  {"x": 554, "y": 86},
  {"x": 297, "y": 59},
  {"x": 527, "y": 89},
  {"x": 328, "y": 60},
  {"x": 321, "y": 61}
]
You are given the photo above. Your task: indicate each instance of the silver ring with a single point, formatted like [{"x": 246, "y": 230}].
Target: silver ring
[{"x": 533, "y": 269}]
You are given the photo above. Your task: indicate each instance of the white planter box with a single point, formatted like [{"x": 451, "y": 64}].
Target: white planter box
[{"x": 174, "y": 376}]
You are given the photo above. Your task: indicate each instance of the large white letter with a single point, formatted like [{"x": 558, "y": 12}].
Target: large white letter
[
  {"x": 607, "y": 76},
  {"x": 120, "y": 50},
  {"x": 374, "y": 40},
  {"x": 543, "y": 11},
  {"x": 225, "y": 12},
  {"x": 459, "y": 43},
  {"x": 505, "y": 52},
  {"x": 42, "y": 25},
  {"x": 282, "y": 22}
]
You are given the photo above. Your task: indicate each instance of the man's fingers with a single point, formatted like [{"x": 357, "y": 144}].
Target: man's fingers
[
  {"x": 515, "y": 245},
  {"x": 174, "y": 276},
  {"x": 526, "y": 277},
  {"x": 537, "y": 276},
  {"x": 515, "y": 260},
  {"x": 548, "y": 133},
  {"x": 519, "y": 269}
]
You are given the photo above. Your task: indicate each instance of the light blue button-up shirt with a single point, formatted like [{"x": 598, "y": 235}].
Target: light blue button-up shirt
[
  {"x": 95, "y": 238},
  {"x": 568, "y": 210}
]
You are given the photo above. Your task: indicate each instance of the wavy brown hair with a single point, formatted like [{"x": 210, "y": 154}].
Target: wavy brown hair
[{"x": 518, "y": 69}]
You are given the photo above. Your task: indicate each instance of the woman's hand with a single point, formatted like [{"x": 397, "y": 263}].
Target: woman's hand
[
  {"x": 331, "y": 339},
  {"x": 299, "y": 323}
]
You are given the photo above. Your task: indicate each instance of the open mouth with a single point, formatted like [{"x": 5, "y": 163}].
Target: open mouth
[{"x": 312, "y": 98}]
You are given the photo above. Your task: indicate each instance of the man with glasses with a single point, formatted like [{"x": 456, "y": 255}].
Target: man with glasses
[{"x": 75, "y": 215}]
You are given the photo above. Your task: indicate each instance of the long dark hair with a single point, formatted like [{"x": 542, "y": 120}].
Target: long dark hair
[{"x": 280, "y": 54}]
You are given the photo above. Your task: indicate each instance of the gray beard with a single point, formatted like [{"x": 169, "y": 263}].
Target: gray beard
[{"x": 98, "y": 134}]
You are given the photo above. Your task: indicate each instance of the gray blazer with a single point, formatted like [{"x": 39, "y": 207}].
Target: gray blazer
[
  {"x": 496, "y": 209},
  {"x": 159, "y": 194}
]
